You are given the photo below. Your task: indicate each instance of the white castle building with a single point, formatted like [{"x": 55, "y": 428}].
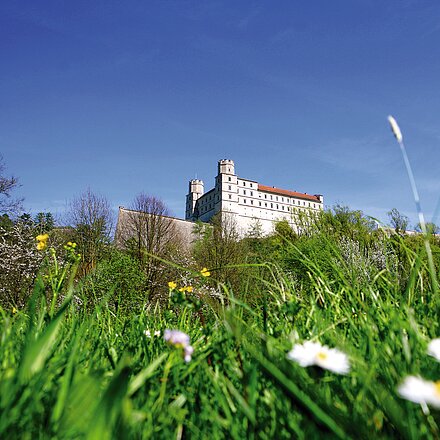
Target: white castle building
[{"x": 247, "y": 201}]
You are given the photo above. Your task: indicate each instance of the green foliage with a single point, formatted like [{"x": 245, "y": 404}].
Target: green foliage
[
  {"x": 119, "y": 280},
  {"x": 87, "y": 358}
]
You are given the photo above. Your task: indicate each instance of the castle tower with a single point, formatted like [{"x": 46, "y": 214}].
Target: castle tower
[
  {"x": 226, "y": 166},
  {"x": 227, "y": 186},
  {"x": 196, "y": 190}
]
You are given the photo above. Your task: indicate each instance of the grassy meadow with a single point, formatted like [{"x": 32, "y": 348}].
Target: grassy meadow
[{"x": 80, "y": 358}]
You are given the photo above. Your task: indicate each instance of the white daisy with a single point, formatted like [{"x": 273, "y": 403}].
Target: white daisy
[
  {"x": 313, "y": 353},
  {"x": 434, "y": 349},
  {"x": 418, "y": 390}
]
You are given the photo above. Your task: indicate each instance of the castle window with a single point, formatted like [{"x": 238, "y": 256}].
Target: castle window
[
  {"x": 244, "y": 183},
  {"x": 282, "y": 207},
  {"x": 265, "y": 205},
  {"x": 250, "y": 185},
  {"x": 229, "y": 179},
  {"x": 244, "y": 192},
  {"x": 265, "y": 196},
  {"x": 252, "y": 202},
  {"x": 277, "y": 207},
  {"x": 252, "y": 193},
  {"x": 277, "y": 198},
  {"x": 271, "y": 198},
  {"x": 259, "y": 203},
  {"x": 244, "y": 200},
  {"x": 230, "y": 196},
  {"x": 271, "y": 205},
  {"x": 230, "y": 187}
]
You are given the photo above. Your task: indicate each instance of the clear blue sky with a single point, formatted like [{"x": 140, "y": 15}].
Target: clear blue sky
[{"x": 133, "y": 96}]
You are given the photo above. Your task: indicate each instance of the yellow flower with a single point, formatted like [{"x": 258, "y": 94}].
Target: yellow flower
[
  {"x": 189, "y": 289},
  {"x": 172, "y": 285},
  {"x": 14, "y": 310},
  {"x": 205, "y": 272},
  {"x": 182, "y": 289},
  {"x": 42, "y": 241}
]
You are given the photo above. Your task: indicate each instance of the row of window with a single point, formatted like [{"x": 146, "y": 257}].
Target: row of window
[
  {"x": 277, "y": 206},
  {"x": 288, "y": 200}
]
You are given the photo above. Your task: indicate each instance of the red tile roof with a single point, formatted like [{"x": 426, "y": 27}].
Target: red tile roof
[{"x": 285, "y": 192}]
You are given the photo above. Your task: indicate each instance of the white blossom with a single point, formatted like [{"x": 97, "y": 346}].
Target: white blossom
[
  {"x": 434, "y": 349},
  {"x": 313, "y": 353},
  {"x": 418, "y": 390},
  {"x": 148, "y": 334}
]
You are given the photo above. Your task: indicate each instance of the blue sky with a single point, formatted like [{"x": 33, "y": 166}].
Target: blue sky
[{"x": 124, "y": 97}]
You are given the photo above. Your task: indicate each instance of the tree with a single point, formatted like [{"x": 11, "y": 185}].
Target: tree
[
  {"x": 147, "y": 232},
  {"x": 91, "y": 217},
  {"x": 221, "y": 249},
  {"x": 431, "y": 228},
  {"x": 44, "y": 222},
  {"x": 255, "y": 229},
  {"x": 8, "y": 204},
  {"x": 398, "y": 221}
]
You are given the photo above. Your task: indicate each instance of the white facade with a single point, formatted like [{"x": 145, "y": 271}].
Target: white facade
[{"x": 247, "y": 201}]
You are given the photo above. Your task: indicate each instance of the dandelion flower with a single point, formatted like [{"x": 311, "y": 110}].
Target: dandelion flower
[
  {"x": 172, "y": 285},
  {"x": 179, "y": 340},
  {"x": 205, "y": 272},
  {"x": 395, "y": 129},
  {"x": 418, "y": 390},
  {"x": 434, "y": 349},
  {"x": 189, "y": 289},
  {"x": 42, "y": 241},
  {"x": 313, "y": 353}
]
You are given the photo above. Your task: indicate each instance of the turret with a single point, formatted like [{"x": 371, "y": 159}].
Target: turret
[
  {"x": 196, "y": 190},
  {"x": 226, "y": 166},
  {"x": 196, "y": 186}
]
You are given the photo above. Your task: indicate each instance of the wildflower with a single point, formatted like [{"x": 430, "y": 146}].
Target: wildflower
[
  {"x": 313, "y": 353},
  {"x": 205, "y": 272},
  {"x": 187, "y": 353},
  {"x": 172, "y": 285},
  {"x": 14, "y": 310},
  {"x": 179, "y": 340},
  {"x": 434, "y": 349},
  {"x": 42, "y": 241},
  {"x": 418, "y": 390},
  {"x": 70, "y": 246},
  {"x": 189, "y": 289},
  {"x": 147, "y": 333}
]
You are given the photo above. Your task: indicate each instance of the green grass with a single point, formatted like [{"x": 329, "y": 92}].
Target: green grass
[{"x": 69, "y": 373}]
